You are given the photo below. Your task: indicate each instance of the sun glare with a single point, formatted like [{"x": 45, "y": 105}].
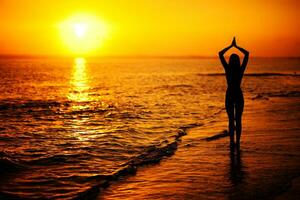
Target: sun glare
[
  {"x": 83, "y": 34},
  {"x": 80, "y": 30}
]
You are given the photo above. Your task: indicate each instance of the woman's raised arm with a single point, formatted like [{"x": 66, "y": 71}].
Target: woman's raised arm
[
  {"x": 246, "y": 57},
  {"x": 222, "y": 52}
]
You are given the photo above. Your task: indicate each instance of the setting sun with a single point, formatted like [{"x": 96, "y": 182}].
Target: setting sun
[
  {"x": 80, "y": 30},
  {"x": 83, "y": 34}
]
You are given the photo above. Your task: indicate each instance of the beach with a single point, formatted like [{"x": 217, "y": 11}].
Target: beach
[
  {"x": 204, "y": 168},
  {"x": 145, "y": 128}
]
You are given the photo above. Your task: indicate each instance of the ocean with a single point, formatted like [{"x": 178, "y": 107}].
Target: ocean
[{"x": 68, "y": 127}]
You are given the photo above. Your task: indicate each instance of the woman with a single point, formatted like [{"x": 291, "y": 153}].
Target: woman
[{"x": 234, "y": 96}]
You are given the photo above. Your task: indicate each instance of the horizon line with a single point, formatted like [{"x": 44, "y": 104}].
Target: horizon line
[{"x": 36, "y": 56}]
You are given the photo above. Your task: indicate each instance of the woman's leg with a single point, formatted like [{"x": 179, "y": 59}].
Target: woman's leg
[
  {"x": 239, "y": 107},
  {"x": 230, "y": 112}
]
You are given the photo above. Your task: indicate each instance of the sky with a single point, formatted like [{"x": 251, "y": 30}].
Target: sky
[{"x": 267, "y": 28}]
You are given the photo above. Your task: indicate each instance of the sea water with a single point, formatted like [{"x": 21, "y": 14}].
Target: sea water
[{"x": 67, "y": 125}]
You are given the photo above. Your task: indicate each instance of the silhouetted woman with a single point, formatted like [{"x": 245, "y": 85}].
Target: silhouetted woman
[{"x": 234, "y": 96}]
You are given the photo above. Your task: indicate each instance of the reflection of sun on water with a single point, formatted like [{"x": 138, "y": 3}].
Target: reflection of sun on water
[
  {"x": 79, "y": 96},
  {"x": 83, "y": 103},
  {"x": 79, "y": 83}
]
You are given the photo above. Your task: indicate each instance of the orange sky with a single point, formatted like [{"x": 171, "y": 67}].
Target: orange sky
[{"x": 148, "y": 27}]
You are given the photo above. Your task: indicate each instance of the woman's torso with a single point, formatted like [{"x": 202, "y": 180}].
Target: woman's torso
[{"x": 234, "y": 79}]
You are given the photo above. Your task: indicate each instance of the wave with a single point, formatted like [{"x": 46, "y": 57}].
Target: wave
[
  {"x": 225, "y": 133},
  {"x": 48, "y": 109},
  {"x": 9, "y": 165},
  {"x": 266, "y": 95},
  {"x": 151, "y": 155},
  {"x": 253, "y": 74},
  {"x": 12, "y": 104},
  {"x": 172, "y": 87}
]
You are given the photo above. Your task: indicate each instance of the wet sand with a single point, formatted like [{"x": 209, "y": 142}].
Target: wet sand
[
  {"x": 293, "y": 192},
  {"x": 204, "y": 168}
]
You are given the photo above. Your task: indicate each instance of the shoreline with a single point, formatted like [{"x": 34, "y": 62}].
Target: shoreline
[{"x": 202, "y": 168}]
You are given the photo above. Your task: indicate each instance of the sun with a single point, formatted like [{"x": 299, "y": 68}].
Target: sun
[
  {"x": 80, "y": 30},
  {"x": 83, "y": 34}
]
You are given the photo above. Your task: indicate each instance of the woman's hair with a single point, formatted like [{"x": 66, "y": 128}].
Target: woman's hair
[{"x": 234, "y": 61}]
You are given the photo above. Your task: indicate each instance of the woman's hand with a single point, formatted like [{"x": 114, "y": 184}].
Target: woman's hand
[{"x": 233, "y": 44}]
